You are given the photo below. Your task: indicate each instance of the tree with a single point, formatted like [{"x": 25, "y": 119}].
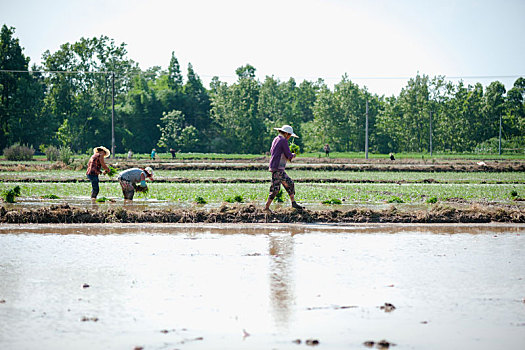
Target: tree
[
  {"x": 21, "y": 95},
  {"x": 197, "y": 106},
  {"x": 234, "y": 110}
]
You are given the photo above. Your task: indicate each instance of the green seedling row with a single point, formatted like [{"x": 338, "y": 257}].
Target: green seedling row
[{"x": 314, "y": 193}]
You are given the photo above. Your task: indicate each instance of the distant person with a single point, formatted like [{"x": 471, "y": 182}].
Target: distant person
[
  {"x": 173, "y": 153},
  {"x": 134, "y": 179},
  {"x": 327, "y": 150},
  {"x": 130, "y": 154},
  {"x": 392, "y": 156},
  {"x": 96, "y": 162},
  {"x": 280, "y": 154},
  {"x": 153, "y": 154}
]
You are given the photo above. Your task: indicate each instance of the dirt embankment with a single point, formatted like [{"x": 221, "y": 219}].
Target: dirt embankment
[
  {"x": 410, "y": 165},
  {"x": 252, "y": 214}
]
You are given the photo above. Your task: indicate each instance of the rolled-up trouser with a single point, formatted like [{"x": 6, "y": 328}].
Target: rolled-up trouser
[
  {"x": 280, "y": 177},
  {"x": 94, "y": 185},
  {"x": 127, "y": 188}
]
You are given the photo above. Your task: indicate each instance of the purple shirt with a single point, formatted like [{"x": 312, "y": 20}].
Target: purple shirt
[{"x": 280, "y": 152}]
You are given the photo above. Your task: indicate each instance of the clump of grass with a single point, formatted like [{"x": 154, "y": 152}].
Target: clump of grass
[
  {"x": 395, "y": 199},
  {"x": 103, "y": 200},
  {"x": 112, "y": 171},
  {"x": 200, "y": 200},
  {"x": 10, "y": 195},
  {"x": 332, "y": 201},
  {"x": 432, "y": 200},
  {"x": 514, "y": 194},
  {"x": 238, "y": 198},
  {"x": 50, "y": 196},
  {"x": 279, "y": 198}
]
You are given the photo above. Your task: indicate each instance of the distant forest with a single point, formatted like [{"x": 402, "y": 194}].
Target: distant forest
[{"x": 162, "y": 109}]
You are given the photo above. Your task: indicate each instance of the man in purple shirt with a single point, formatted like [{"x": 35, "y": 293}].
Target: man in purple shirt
[{"x": 280, "y": 154}]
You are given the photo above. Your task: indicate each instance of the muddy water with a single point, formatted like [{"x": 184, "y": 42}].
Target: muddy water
[{"x": 261, "y": 286}]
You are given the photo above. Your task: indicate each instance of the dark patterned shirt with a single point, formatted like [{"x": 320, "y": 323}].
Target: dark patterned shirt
[{"x": 94, "y": 165}]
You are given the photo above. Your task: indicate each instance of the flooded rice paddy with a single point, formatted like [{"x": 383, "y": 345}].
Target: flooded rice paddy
[{"x": 262, "y": 286}]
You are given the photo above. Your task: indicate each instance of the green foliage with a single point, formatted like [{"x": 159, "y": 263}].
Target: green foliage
[
  {"x": 103, "y": 200},
  {"x": 10, "y": 194},
  {"x": 112, "y": 171},
  {"x": 279, "y": 197},
  {"x": 19, "y": 152},
  {"x": 295, "y": 149},
  {"x": 237, "y": 198},
  {"x": 200, "y": 200},
  {"x": 65, "y": 155},
  {"x": 52, "y": 153},
  {"x": 73, "y": 110},
  {"x": 50, "y": 196},
  {"x": 332, "y": 201},
  {"x": 514, "y": 193},
  {"x": 395, "y": 199},
  {"x": 432, "y": 200}
]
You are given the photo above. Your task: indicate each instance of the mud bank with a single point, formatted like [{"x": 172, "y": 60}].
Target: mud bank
[
  {"x": 313, "y": 164},
  {"x": 251, "y": 214}
]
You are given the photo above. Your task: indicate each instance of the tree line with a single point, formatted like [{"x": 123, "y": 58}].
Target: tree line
[{"x": 67, "y": 101}]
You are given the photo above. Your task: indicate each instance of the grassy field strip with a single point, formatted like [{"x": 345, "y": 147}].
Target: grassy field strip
[
  {"x": 441, "y": 177},
  {"x": 366, "y": 193}
]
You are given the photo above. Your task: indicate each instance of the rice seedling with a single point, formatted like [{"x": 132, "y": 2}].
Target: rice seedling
[
  {"x": 395, "y": 199},
  {"x": 432, "y": 200},
  {"x": 200, "y": 200},
  {"x": 50, "y": 196},
  {"x": 10, "y": 194},
  {"x": 332, "y": 201},
  {"x": 237, "y": 198}
]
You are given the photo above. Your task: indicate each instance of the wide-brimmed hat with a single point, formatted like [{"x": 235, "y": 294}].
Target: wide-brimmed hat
[
  {"x": 108, "y": 153},
  {"x": 149, "y": 171},
  {"x": 287, "y": 129}
]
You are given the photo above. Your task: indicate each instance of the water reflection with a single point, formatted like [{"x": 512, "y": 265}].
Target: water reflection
[{"x": 281, "y": 251}]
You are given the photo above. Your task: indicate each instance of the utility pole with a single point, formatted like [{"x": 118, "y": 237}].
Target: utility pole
[
  {"x": 366, "y": 132},
  {"x": 112, "y": 114},
  {"x": 431, "y": 133},
  {"x": 499, "y": 146}
]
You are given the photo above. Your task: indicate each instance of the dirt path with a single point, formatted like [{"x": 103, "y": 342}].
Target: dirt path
[{"x": 252, "y": 214}]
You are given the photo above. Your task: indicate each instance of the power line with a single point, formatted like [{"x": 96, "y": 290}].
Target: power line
[{"x": 312, "y": 77}]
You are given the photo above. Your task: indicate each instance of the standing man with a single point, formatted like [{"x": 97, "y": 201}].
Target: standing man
[
  {"x": 327, "y": 150},
  {"x": 96, "y": 162},
  {"x": 280, "y": 154},
  {"x": 153, "y": 154}
]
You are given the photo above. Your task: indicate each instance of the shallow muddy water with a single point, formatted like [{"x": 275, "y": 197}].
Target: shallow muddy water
[{"x": 261, "y": 286}]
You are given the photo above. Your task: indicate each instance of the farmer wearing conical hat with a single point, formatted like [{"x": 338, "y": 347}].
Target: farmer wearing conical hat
[
  {"x": 96, "y": 162},
  {"x": 134, "y": 179},
  {"x": 280, "y": 154}
]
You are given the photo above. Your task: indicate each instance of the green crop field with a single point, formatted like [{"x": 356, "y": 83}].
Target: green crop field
[{"x": 309, "y": 193}]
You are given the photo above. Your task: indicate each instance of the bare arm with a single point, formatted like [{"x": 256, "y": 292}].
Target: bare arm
[{"x": 104, "y": 164}]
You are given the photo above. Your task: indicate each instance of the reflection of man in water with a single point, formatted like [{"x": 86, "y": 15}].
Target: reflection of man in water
[{"x": 281, "y": 276}]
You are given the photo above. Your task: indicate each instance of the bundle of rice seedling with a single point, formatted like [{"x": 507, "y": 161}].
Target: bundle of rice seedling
[{"x": 112, "y": 171}]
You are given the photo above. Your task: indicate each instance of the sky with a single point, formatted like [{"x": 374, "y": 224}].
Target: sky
[{"x": 379, "y": 44}]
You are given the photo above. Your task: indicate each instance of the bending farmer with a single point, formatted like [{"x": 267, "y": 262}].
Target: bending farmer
[
  {"x": 134, "y": 179},
  {"x": 280, "y": 154},
  {"x": 96, "y": 162}
]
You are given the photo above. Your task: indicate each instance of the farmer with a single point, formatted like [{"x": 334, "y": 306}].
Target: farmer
[
  {"x": 96, "y": 162},
  {"x": 173, "y": 153},
  {"x": 130, "y": 154},
  {"x": 153, "y": 154},
  {"x": 280, "y": 154},
  {"x": 327, "y": 150},
  {"x": 134, "y": 179}
]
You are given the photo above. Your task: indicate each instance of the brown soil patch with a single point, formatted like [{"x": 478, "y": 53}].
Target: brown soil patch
[
  {"x": 239, "y": 180},
  {"x": 252, "y": 214},
  {"x": 321, "y": 164}
]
